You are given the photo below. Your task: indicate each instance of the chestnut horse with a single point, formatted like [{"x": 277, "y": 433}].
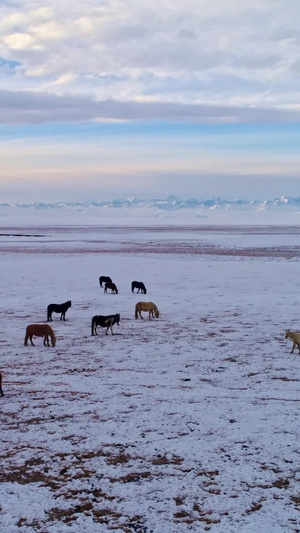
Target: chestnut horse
[
  {"x": 146, "y": 306},
  {"x": 40, "y": 330}
]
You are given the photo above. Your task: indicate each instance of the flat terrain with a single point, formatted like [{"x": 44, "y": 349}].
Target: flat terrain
[{"x": 185, "y": 423}]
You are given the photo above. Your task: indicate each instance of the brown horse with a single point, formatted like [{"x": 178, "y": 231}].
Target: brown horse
[
  {"x": 40, "y": 330},
  {"x": 112, "y": 287},
  {"x": 146, "y": 306}
]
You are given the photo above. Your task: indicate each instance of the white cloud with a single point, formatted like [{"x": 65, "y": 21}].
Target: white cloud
[
  {"x": 21, "y": 107},
  {"x": 226, "y": 53},
  {"x": 20, "y": 41}
]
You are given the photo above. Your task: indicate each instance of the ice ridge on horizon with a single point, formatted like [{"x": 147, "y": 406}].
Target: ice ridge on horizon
[{"x": 169, "y": 203}]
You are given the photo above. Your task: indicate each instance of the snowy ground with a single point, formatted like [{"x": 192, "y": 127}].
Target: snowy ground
[{"x": 185, "y": 423}]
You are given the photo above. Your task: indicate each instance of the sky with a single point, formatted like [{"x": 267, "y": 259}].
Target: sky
[{"x": 106, "y": 99}]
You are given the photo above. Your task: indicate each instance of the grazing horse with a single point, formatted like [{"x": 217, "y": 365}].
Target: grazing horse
[
  {"x": 58, "y": 308},
  {"x": 40, "y": 330},
  {"x": 111, "y": 286},
  {"x": 104, "y": 279},
  {"x": 1, "y": 390},
  {"x": 105, "y": 322},
  {"x": 295, "y": 337},
  {"x": 146, "y": 306},
  {"x": 139, "y": 285}
]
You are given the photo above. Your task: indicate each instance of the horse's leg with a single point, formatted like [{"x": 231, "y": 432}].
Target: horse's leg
[
  {"x": 31, "y": 339},
  {"x": 294, "y": 344},
  {"x": 64, "y": 315},
  {"x": 25, "y": 340},
  {"x": 141, "y": 315},
  {"x": 299, "y": 347}
]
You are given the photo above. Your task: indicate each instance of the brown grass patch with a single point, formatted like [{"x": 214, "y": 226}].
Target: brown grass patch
[
  {"x": 132, "y": 477},
  {"x": 254, "y": 507},
  {"x": 163, "y": 460},
  {"x": 100, "y": 514},
  {"x": 208, "y": 473},
  {"x": 179, "y": 500},
  {"x": 121, "y": 458},
  {"x": 296, "y": 500},
  {"x": 68, "y": 515},
  {"x": 281, "y": 483}
]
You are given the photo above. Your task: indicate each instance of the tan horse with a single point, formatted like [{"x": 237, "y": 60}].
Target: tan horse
[
  {"x": 146, "y": 306},
  {"x": 295, "y": 337},
  {"x": 40, "y": 330}
]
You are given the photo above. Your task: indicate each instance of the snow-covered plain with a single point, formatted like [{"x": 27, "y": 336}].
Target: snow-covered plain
[{"x": 185, "y": 423}]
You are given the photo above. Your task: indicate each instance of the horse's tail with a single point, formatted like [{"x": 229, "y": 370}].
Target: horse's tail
[
  {"x": 26, "y": 339},
  {"x": 100, "y": 281},
  {"x": 132, "y": 287},
  {"x": 136, "y": 311},
  {"x": 93, "y": 322}
]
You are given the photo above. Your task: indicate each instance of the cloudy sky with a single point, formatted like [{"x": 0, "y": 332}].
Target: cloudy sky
[{"x": 106, "y": 99}]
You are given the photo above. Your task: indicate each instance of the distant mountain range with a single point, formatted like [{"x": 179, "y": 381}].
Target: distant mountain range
[{"x": 171, "y": 203}]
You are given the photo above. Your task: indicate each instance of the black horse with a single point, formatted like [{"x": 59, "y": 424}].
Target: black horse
[
  {"x": 1, "y": 390},
  {"x": 58, "y": 308},
  {"x": 139, "y": 285},
  {"x": 105, "y": 322},
  {"x": 104, "y": 279}
]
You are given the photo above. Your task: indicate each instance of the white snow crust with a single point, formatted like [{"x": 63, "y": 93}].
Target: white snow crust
[{"x": 188, "y": 422}]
